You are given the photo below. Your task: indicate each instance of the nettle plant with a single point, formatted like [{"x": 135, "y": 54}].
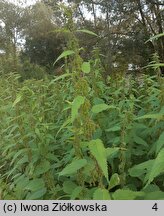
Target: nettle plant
[
  {"x": 91, "y": 172},
  {"x": 76, "y": 137}
]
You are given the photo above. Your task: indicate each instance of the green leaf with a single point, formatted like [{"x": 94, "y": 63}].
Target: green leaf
[
  {"x": 36, "y": 195},
  {"x": 155, "y": 37},
  {"x": 64, "y": 125},
  {"x": 160, "y": 143},
  {"x": 114, "y": 128},
  {"x": 156, "y": 65},
  {"x": 35, "y": 185},
  {"x": 101, "y": 194},
  {"x": 63, "y": 76},
  {"x": 101, "y": 107},
  {"x": 97, "y": 149},
  {"x": 114, "y": 181},
  {"x": 111, "y": 152},
  {"x": 76, "y": 192},
  {"x": 73, "y": 167},
  {"x": 156, "y": 169},
  {"x": 88, "y": 32},
  {"x": 139, "y": 140},
  {"x": 21, "y": 182},
  {"x": 76, "y": 104},
  {"x": 140, "y": 169},
  {"x": 43, "y": 167},
  {"x": 151, "y": 116},
  {"x": 86, "y": 68},
  {"x": 68, "y": 187},
  {"x": 155, "y": 195},
  {"x": 20, "y": 152},
  {"x": 17, "y": 100},
  {"x": 126, "y": 194},
  {"x": 64, "y": 54}
]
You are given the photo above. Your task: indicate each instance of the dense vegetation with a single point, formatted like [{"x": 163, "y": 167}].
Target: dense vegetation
[{"x": 86, "y": 133}]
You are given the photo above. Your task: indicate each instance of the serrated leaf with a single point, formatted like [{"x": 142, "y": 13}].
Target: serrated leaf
[
  {"x": 99, "y": 108},
  {"x": 111, "y": 152},
  {"x": 126, "y": 194},
  {"x": 101, "y": 194},
  {"x": 139, "y": 140},
  {"x": 21, "y": 182},
  {"x": 64, "y": 54},
  {"x": 76, "y": 192},
  {"x": 42, "y": 167},
  {"x": 86, "y": 68},
  {"x": 140, "y": 169},
  {"x": 97, "y": 149},
  {"x": 73, "y": 167},
  {"x": 151, "y": 116},
  {"x": 155, "y": 195},
  {"x": 156, "y": 169},
  {"x": 36, "y": 195},
  {"x": 114, "y": 181},
  {"x": 88, "y": 32},
  {"x": 68, "y": 187},
  {"x": 113, "y": 129},
  {"x": 35, "y": 185},
  {"x": 76, "y": 104}
]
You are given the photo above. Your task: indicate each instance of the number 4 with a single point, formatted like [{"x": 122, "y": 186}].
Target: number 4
[{"x": 155, "y": 207}]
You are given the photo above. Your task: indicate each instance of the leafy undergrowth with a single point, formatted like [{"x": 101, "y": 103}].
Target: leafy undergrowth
[
  {"x": 79, "y": 137},
  {"x": 104, "y": 142}
]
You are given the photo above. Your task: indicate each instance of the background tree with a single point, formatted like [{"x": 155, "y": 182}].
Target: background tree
[
  {"x": 124, "y": 27},
  {"x": 43, "y": 43},
  {"x": 13, "y": 21}
]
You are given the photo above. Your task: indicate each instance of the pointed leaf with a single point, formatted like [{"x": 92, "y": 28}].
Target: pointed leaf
[
  {"x": 37, "y": 194},
  {"x": 155, "y": 37},
  {"x": 140, "y": 169},
  {"x": 68, "y": 187},
  {"x": 73, "y": 167},
  {"x": 151, "y": 116},
  {"x": 126, "y": 194},
  {"x": 77, "y": 102},
  {"x": 114, "y": 181},
  {"x": 111, "y": 152},
  {"x": 155, "y": 195},
  {"x": 114, "y": 128},
  {"x": 64, "y": 54},
  {"x": 156, "y": 169},
  {"x": 35, "y": 185},
  {"x": 76, "y": 192},
  {"x": 155, "y": 65},
  {"x": 139, "y": 140},
  {"x": 63, "y": 76},
  {"x": 101, "y": 194},
  {"x": 97, "y": 149},
  {"x": 88, "y": 32},
  {"x": 43, "y": 167},
  {"x": 101, "y": 107}
]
